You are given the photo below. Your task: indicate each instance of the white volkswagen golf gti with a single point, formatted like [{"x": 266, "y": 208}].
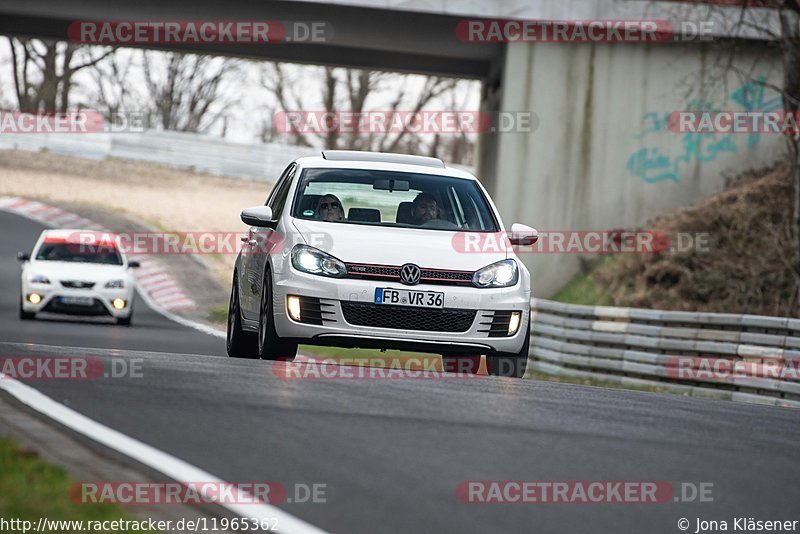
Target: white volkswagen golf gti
[
  {"x": 76, "y": 272},
  {"x": 366, "y": 250}
]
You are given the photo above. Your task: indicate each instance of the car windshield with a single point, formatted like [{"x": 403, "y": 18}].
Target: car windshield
[
  {"x": 74, "y": 252},
  {"x": 398, "y": 199}
]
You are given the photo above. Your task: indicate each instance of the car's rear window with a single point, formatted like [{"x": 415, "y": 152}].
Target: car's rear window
[{"x": 387, "y": 198}]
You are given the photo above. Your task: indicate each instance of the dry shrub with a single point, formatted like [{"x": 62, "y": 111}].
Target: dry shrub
[{"x": 748, "y": 268}]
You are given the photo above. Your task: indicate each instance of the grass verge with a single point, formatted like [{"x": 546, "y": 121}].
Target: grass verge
[
  {"x": 536, "y": 375},
  {"x": 30, "y": 488}
]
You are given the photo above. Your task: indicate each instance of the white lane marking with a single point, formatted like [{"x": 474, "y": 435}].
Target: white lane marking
[
  {"x": 178, "y": 319},
  {"x": 164, "y": 463}
]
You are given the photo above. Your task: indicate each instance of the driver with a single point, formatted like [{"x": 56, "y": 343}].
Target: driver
[
  {"x": 329, "y": 208},
  {"x": 424, "y": 209}
]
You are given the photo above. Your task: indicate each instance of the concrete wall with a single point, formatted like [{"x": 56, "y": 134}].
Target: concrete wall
[{"x": 602, "y": 157}]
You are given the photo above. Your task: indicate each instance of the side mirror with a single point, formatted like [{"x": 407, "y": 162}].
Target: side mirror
[
  {"x": 258, "y": 216},
  {"x": 23, "y": 256},
  {"x": 134, "y": 264},
  {"x": 523, "y": 235}
]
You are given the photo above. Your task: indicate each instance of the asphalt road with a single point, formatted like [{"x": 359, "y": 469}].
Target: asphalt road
[{"x": 392, "y": 453}]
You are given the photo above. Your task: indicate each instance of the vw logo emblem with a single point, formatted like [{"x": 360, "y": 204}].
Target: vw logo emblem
[{"x": 410, "y": 274}]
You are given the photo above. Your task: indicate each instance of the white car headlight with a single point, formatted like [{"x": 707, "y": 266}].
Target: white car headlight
[
  {"x": 115, "y": 284},
  {"x": 504, "y": 273},
  {"x": 313, "y": 261},
  {"x": 39, "y": 279}
]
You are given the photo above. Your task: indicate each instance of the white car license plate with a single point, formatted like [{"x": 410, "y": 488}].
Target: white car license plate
[
  {"x": 409, "y": 297},
  {"x": 77, "y": 301}
]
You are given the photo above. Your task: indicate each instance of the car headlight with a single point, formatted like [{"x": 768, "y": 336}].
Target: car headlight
[
  {"x": 313, "y": 261},
  {"x": 115, "y": 284},
  {"x": 501, "y": 274},
  {"x": 39, "y": 279}
]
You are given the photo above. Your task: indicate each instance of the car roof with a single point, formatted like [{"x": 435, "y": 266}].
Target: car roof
[
  {"x": 346, "y": 159},
  {"x": 73, "y": 235}
]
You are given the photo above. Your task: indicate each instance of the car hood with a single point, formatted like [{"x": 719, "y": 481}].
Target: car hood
[
  {"x": 61, "y": 270},
  {"x": 434, "y": 249}
]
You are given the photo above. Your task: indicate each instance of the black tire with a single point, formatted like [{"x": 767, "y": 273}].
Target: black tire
[
  {"x": 238, "y": 343},
  {"x": 25, "y": 316},
  {"x": 508, "y": 363},
  {"x": 125, "y": 321},
  {"x": 461, "y": 364},
  {"x": 270, "y": 346}
]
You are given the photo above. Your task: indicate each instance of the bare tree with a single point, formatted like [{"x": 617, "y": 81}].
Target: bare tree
[
  {"x": 433, "y": 88},
  {"x": 790, "y": 45},
  {"x": 186, "y": 92},
  {"x": 44, "y": 70},
  {"x": 113, "y": 89},
  {"x": 778, "y": 23},
  {"x": 276, "y": 78},
  {"x": 350, "y": 91}
]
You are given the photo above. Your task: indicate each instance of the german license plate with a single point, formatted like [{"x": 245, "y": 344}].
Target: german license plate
[
  {"x": 77, "y": 301},
  {"x": 409, "y": 297}
]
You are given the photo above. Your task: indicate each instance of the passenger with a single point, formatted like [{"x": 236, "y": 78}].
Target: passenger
[
  {"x": 329, "y": 208},
  {"x": 424, "y": 209}
]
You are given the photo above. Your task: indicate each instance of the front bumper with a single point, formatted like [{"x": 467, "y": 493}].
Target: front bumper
[
  {"x": 51, "y": 300},
  {"x": 336, "y": 330}
]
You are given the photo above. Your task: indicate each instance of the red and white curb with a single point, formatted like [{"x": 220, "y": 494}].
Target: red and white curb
[{"x": 154, "y": 280}]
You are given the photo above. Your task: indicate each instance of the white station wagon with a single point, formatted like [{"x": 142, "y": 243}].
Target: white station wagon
[{"x": 362, "y": 250}]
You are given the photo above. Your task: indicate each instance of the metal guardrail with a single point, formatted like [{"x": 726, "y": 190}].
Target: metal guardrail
[
  {"x": 747, "y": 358},
  {"x": 257, "y": 161}
]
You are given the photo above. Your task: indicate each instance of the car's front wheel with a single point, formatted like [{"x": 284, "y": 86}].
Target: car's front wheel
[
  {"x": 509, "y": 363},
  {"x": 238, "y": 343},
  {"x": 270, "y": 346}
]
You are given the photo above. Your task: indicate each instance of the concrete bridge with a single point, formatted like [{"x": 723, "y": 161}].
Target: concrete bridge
[{"x": 602, "y": 155}]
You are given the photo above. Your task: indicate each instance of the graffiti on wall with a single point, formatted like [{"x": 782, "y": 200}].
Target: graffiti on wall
[{"x": 653, "y": 164}]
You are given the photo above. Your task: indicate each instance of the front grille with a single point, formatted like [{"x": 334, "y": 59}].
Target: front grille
[
  {"x": 56, "y": 306},
  {"x": 74, "y": 284},
  {"x": 498, "y": 325},
  {"x": 313, "y": 311},
  {"x": 405, "y": 318},
  {"x": 391, "y": 273}
]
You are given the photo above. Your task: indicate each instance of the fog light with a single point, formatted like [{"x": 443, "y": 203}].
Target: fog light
[
  {"x": 513, "y": 324},
  {"x": 293, "y": 305},
  {"x": 118, "y": 304},
  {"x": 34, "y": 298}
]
